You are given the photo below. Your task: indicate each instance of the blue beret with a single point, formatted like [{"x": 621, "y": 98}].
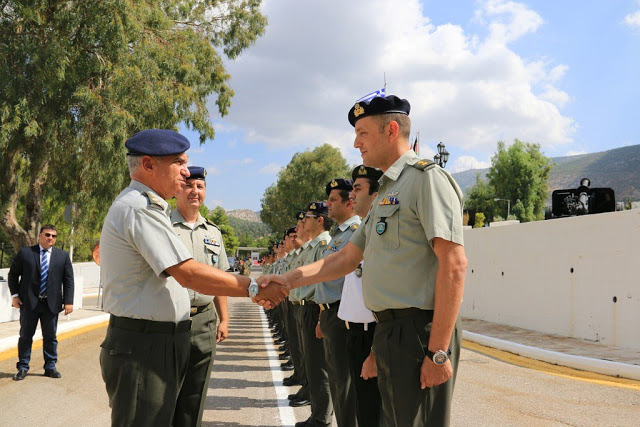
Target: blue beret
[
  {"x": 378, "y": 105},
  {"x": 197, "y": 172},
  {"x": 338, "y": 184},
  {"x": 157, "y": 142},
  {"x": 318, "y": 207},
  {"x": 363, "y": 171}
]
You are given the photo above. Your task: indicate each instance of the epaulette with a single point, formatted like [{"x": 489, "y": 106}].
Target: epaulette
[
  {"x": 424, "y": 165},
  {"x": 208, "y": 221},
  {"x": 354, "y": 227},
  {"x": 323, "y": 243},
  {"x": 154, "y": 200}
]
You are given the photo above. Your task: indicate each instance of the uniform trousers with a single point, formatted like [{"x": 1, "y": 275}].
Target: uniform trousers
[
  {"x": 359, "y": 344},
  {"x": 342, "y": 389},
  {"x": 314, "y": 363},
  {"x": 400, "y": 346},
  {"x": 193, "y": 393},
  {"x": 143, "y": 366},
  {"x": 294, "y": 343}
]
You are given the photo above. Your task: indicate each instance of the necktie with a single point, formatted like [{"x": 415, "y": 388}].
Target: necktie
[{"x": 44, "y": 273}]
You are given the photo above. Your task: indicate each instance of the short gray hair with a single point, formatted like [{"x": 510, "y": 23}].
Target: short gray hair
[{"x": 133, "y": 162}]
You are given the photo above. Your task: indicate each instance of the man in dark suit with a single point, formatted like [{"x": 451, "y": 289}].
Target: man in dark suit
[{"x": 41, "y": 284}]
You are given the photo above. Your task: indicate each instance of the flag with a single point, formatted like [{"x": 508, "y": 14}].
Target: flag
[
  {"x": 378, "y": 93},
  {"x": 416, "y": 146}
]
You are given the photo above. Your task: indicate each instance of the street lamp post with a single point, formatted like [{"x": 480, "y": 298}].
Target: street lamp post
[
  {"x": 442, "y": 157},
  {"x": 508, "y": 206}
]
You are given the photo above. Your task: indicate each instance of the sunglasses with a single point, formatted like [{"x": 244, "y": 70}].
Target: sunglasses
[{"x": 51, "y": 235}]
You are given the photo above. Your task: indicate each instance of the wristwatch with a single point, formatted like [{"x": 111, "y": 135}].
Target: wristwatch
[
  {"x": 253, "y": 288},
  {"x": 440, "y": 357}
]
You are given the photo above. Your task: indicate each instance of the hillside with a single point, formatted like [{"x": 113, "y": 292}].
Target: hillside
[
  {"x": 618, "y": 168},
  {"x": 244, "y": 214},
  {"x": 252, "y": 228}
]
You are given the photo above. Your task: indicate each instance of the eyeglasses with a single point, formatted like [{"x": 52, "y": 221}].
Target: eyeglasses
[{"x": 51, "y": 235}]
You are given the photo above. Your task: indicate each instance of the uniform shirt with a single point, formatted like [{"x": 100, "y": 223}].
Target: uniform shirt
[
  {"x": 294, "y": 294},
  {"x": 137, "y": 245},
  {"x": 412, "y": 207},
  {"x": 331, "y": 291},
  {"x": 314, "y": 252},
  {"x": 352, "y": 308},
  {"x": 204, "y": 241}
]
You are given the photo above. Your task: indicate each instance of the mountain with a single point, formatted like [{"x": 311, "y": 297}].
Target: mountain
[
  {"x": 618, "y": 168},
  {"x": 245, "y": 214},
  {"x": 253, "y": 227}
]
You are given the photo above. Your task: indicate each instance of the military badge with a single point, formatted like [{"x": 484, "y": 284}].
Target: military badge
[
  {"x": 214, "y": 258},
  {"x": 358, "y": 110},
  {"x": 312, "y": 207},
  {"x": 362, "y": 170},
  {"x": 333, "y": 184},
  {"x": 359, "y": 270},
  {"x": 381, "y": 227}
]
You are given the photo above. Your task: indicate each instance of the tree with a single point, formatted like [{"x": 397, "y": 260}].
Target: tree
[
  {"x": 302, "y": 181},
  {"x": 219, "y": 217},
  {"x": 480, "y": 197},
  {"x": 520, "y": 174},
  {"x": 77, "y": 78}
]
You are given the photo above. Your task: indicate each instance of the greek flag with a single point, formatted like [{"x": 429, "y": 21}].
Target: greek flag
[{"x": 368, "y": 97}]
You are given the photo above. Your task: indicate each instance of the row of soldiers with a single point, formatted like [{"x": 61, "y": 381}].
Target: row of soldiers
[{"x": 325, "y": 329}]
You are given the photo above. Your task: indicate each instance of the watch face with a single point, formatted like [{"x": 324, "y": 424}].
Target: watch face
[{"x": 440, "y": 358}]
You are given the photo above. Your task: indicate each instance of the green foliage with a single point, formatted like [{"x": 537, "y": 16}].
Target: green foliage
[
  {"x": 521, "y": 173},
  {"x": 302, "y": 181},
  {"x": 78, "y": 78},
  {"x": 254, "y": 229},
  {"x": 480, "y": 198},
  {"x": 480, "y": 218},
  {"x": 219, "y": 217}
]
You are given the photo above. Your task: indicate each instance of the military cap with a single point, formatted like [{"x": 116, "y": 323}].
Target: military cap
[
  {"x": 318, "y": 207},
  {"x": 300, "y": 215},
  {"x": 378, "y": 105},
  {"x": 339, "y": 184},
  {"x": 197, "y": 172},
  {"x": 291, "y": 230},
  {"x": 363, "y": 171},
  {"x": 157, "y": 142}
]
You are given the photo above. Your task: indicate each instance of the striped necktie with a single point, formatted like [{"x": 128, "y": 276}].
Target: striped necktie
[{"x": 44, "y": 273}]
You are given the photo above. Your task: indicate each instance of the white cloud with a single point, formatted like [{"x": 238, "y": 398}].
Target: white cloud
[
  {"x": 575, "y": 153},
  {"x": 270, "y": 169},
  {"x": 464, "y": 163},
  {"x": 295, "y": 85},
  {"x": 212, "y": 170},
  {"x": 633, "y": 19},
  {"x": 245, "y": 161}
]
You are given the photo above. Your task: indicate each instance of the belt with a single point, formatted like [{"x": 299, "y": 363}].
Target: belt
[
  {"x": 327, "y": 306},
  {"x": 297, "y": 302},
  {"x": 352, "y": 326},
  {"x": 197, "y": 309},
  {"x": 149, "y": 326},
  {"x": 396, "y": 313}
]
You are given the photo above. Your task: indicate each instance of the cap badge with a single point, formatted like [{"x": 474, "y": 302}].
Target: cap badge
[
  {"x": 312, "y": 207},
  {"x": 358, "y": 110},
  {"x": 333, "y": 184},
  {"x": 362, "y": 170}
]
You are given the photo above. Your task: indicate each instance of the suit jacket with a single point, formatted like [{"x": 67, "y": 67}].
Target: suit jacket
[{"x": 24, "y": 278}]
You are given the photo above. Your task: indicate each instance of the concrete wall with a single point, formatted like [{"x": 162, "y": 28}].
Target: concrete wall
[
  {"x": 85, "y": 275},
  {"x": 574, "y": 277}
]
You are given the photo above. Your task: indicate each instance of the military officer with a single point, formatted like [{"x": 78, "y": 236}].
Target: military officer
[
  {"x": 413, "y": 278},
  {"x": 145, "y": 268},
  {"x": 203, "y": 239},
  {"x": 327, "y": 295}
]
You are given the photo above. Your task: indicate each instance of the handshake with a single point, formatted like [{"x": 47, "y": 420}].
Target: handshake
[{"x": 273, "y": 290}]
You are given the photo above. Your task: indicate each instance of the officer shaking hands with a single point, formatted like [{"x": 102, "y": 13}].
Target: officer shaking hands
[
  {"x": 413, "y": 278},
  {"x": 145, "y": 269}
]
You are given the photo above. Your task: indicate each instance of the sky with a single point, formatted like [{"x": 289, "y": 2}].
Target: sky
[{"x": 563, "y": 74}]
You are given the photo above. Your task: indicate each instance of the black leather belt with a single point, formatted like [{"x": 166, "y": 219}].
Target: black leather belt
[
  {"x": 359, "y": 326},
  {"x": 197, "y": 309},
  {"x": 149, "y": 326},
  {"x": 328, "y": 306},
  {"x": 397, "y": 313}
]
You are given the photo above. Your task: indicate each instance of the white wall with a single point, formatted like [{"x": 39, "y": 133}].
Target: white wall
[{"x": 521, "y": 276}]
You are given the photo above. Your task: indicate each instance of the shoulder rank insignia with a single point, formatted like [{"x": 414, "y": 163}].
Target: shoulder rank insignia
[
  {"x": 358, "y": 110},
  {"x": 354, "y": 226},
  {"x": 153, "y": 199},
  {"x": 424, "y": 164},
  {"x": 323, "y": 243},
  {"x": 208, "y": 221}
]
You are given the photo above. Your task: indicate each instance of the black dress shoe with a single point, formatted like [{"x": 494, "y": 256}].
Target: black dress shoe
[
  {"x": 284, "y": 356},
  {"x": 290, "y": 382},
  {"x": 299, "y": 403},
  {"x": 304, "y": 423},
  {"x": 19, "y": 376},
  {"x": 52, "y": 373},
  {"x": 280, "y": 341},
  {"x": 283, "y": 347},
  {"x": 287, "y": 367}
]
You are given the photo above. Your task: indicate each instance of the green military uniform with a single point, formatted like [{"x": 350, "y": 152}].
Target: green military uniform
[
  {"x": 204, "y": 241},
  {"x": 334, "y": 331},
  {"x": 312, "y": 347},
  {"x": 417, "y": 202},
  {"x": 145, "y": 352}
]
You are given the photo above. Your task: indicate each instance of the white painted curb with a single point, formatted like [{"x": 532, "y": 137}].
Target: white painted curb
[
  {"x": 605, "y": 367},
  {"x": 65, "y": 326}
]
